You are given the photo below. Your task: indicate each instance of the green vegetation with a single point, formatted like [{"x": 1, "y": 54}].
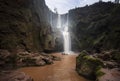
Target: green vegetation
[
  {"x": 116, "y": 56},
  {"x": 97, "y": 26},
  {"x": 99, "y": 73},
  {"x": 88, "y": 66}
]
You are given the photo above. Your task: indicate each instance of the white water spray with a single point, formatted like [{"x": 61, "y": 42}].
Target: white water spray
[
  {"x": 66, "y": 34},
  {"x": 59, "y": 24},
  {"x": 51, "y": 19},
  {"x": 67, "y": 41},
  {"x": 67, "y": 38}
]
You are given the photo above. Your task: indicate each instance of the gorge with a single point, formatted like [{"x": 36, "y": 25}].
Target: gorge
[{"x": 34, "y": 42}]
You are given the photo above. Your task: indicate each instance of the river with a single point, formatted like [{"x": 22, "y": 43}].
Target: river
[{"x": 63, "y": 70}]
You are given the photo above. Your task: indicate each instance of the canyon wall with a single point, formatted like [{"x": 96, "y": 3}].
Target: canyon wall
[
  {"x": 95, "y": 27},
  {"x": 25, "y": 25}
]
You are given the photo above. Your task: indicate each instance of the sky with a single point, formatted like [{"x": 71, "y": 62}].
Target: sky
[{"x": 63, "y": 6}]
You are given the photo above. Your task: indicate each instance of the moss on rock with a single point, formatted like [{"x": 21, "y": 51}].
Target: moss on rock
[
  {"x": 87, "y": 65},
  {"x": 99, "y": 73},
  {"x": 116, "y": 55}
]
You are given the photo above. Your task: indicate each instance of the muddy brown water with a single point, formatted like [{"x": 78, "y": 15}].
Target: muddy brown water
[{"x": 63, "y": 70}]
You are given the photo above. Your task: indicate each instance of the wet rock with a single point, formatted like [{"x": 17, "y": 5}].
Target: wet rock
[
  {"x": 36, "y": 59},
  {"x": 14, "y": 76},
  {"x": 20, "y": 59},
  {"x": 7, "y": 59},
  {"x": 109, "y": 64},
  {"x": 110, "y": 75},
  {"x": 4, "y": 54},
  {"x": 105, "y": 57},
  {"x": 87, "y": 65},
  {"x": 24, "y": 54},
  {"x": 111, "y": 55},
  {"x": 48, "y": 60},
  {"x": 90, "y": 65},
  {"x": 24, "y": 59},
  {"x": 115, "y": 54},
  {"x": 33, "y": 59},
  {"x": 40, "y": 63},
  {"x": 2, "y": 63},
  {"x": 56, "y": 58}
]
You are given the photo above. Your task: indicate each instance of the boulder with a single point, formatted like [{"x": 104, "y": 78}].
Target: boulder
[
  {"x": 105, "y": 57},
  {"x": 110, "y": 75},
  {"x": 14, "y": 76},
  {"x": 56, "y": 58},
  {"x": 7, "y": 59},
  {"x": 20, "y": 59},
  {"x": 110, "y": 64},
  {"x": 36, "y": 59},
  {"x": 87, "y": 65},
  {"x": 97, "y": 65},
  {"x": 115, "y": 55},
  {"x": 48, "y": 60},
  {"x": 4, "y": 54},
  {"x": 40, "y": 63}
]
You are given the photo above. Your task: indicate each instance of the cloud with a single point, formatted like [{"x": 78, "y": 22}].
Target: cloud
[{"x": 64, "y": 5}]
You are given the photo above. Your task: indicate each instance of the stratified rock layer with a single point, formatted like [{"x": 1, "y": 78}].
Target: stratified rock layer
[{"x": 10, "y": 61}]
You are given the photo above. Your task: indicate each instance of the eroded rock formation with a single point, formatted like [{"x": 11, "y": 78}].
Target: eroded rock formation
[
  {"x": 25, "y": 32},
  {"x": 25, "y": 25}
]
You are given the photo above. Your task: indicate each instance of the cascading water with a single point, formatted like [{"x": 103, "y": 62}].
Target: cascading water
[
  {"x": 59, "y": 24},
  {"x": 66, "y": 34},
  {"x": 67, "y": 38},
  {"x": 51, "y": 19},
  {"x": 67, "y": 41}
]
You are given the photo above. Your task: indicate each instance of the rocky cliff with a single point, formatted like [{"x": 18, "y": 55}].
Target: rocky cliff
[
  {"x": 25, "y": 25},
  {"x": 95, "y": 27}
]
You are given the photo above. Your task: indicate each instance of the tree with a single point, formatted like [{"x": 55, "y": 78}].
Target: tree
[{"x": 55, "y": 10}]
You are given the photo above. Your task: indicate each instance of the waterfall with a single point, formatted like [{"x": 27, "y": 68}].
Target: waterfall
[
  {"x": 59, "y": 24},
  {"x": 66, "y": 34},
  {"x": 51, "y": 20},
  {"x": 67, "y": 38}
]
